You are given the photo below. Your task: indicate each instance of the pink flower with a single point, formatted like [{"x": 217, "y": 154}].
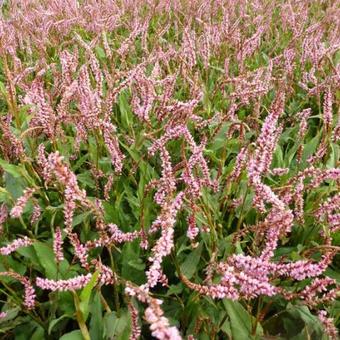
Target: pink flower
[
  {"x": 30, "y": 295},
  {"x": 327, "y": 109},
  {"x": 165, "y": 243},
  {"x": 16, "y": 244},
  {"x": 328, "y": 324},
  {"x": 36, "y": 213},
  {"x": 135, "y": 328},
  {"x": 159, "y": 325},
  {"x": 29, "y": 292},
  {"x": 20, "y": 204},
  {"x": 64, "y": 285},
  {"x": 58, "y": 245}
]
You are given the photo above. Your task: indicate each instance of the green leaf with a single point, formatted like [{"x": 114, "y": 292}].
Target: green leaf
[
  {"x": 310, "y": 147},
  {"x": 86, "y": 178},
  {"x": 55, "y": 321},
  {"x": 96, "y": 323},
  {"x": 86, "y": 294},
  {"x": 11, "y": 314},
  {"x": 45, "y": 255},
  {"x": 14, "y": 170},
  {"x": 38, "y": 334},
  {"x": 4, "y": 195},
  {"x": 303, "y": 313},
  {"x": 240, "y": 320},
  {"x": 189, "y": 266},
  {"x": 80, "y": 218},
  {"x": 14, "y": 185},
  {"x": 117, "y": 326},
  {"x": 137, "y": 264},
  {"x": 74, "y": 335},
  {"x": 17, "y": 171}
]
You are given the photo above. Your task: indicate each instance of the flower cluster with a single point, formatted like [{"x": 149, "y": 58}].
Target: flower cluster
[
  {"x": 185, "y": 144},
  {"x": 10, "y": 248},
  {"x": 159, "y": 324},
  {"x": 21, "y": 202},
  {"x": 64, "y": 285}
]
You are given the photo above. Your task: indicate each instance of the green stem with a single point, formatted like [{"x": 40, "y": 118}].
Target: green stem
[
  {"x": 115, "y": 288},
  {"x": 239, "y": 222},
  {"x": 80, "y": 318}
]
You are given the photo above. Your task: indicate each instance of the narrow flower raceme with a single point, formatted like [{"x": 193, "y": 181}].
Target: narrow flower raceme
[
  {"x": 328, "y": 324},
  {"x": 111, "y": 142},
  {"x": 240, "y": 163},
  {"x": 55, "y": 165},
  {"x": 143, "y": 96},
  {"x": 324, "y": 175},
  {"x": 172, "y": 133},
  {"x": 264, "y": 194},
  {"x": 336, "y": 133},
  {"x": 36, "y": 213},
  {"x": 113, "y": 236},
  {"x": 251, "y": 86},
  {"x": 29, "y": 292},
  {"x": 329, "y": 206},
  {"x": 64, "y": 285},
  {"x": 106, "y": 275},
  {"x": 165, "y": 243},
  {"x": 318, "y": 291},
  {"x": 279, "y": 171},
  {"x": 266, "y": 142},
  {"x": 20, "y": 204},
  {"x": 117, "y": 236},
  {"x": 302, "y": 116},
  {"x": 334, "y": 222},
  {"x": 108, "y": 187},
  {"x": 58, "y": 245},
  {"x": 16, "y": 244},
  {"x": 154, "y": 315},
  {"x": 327, "y": 109},
  {"x": 194, "y": 182},
  {"x": 250, "y": 45},
  {"x": 3, "y": 315},
  {"x": 188, "y": 48},
  {"x": 299, "y": 202},
  {"x": 3, "y": 215},
  {"x": 167, "y": 183},
  {"x": 329, "y": 212},
  {"x": 192, "y": 231},
  {"x": 14, "y": 147},
  {"x": 135, "y": 328},
  {"x": 80, "y": 250},
  {"x": 44, "y": 116},
  {"x": 319, "y": 154},
  {"x": 29, "y": 300},
  {"x": 223, "y": 290},
  {"x": 299, "y": 270},
  {"x": 280, "y": 222}
]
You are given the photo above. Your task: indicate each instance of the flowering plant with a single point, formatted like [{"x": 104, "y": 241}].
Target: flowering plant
[{"x": 169, "y": 169}]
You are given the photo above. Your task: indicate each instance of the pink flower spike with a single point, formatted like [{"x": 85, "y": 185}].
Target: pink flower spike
[{"x": 16, "y": 244}]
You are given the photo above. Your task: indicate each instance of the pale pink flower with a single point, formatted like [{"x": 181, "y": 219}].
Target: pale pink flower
[
  {"x": 328, "y": 324},
  {"x": 75, "y": 283},
  {"x": 21, "y": 202},
  {"x": 16, "y": 244},
  {"x": 58, "y": 245}
]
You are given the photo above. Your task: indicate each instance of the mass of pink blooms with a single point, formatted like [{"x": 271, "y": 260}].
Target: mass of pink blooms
[{"x": 67, "y": 65}]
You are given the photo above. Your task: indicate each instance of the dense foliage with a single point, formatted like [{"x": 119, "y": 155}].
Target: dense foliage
[{"x": 169, "y": 169}]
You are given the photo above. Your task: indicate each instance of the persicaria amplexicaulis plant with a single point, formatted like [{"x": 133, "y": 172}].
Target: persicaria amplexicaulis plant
[{"x": 169, "y": 169}]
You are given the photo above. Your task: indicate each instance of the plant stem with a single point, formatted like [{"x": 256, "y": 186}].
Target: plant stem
[{"x": 80, "y": 318}]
